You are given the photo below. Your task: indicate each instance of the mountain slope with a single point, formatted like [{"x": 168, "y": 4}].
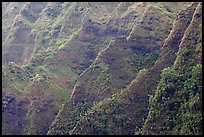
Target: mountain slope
[
  {"x": 101, "y": 68},
  {"x": 176, "y": 104},
  {"x": 107, "y": 114},
  {"x": 111, "y": 109},
  {"x": 112, "y": 69},
  {"x": 36, "y": 69}
]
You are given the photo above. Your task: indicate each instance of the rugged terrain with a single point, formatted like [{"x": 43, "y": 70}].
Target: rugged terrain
[{"x": 101, "y": 68}]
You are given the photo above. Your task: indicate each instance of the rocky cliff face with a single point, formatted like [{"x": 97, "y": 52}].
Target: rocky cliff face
[{"x": 101, "y": 68}]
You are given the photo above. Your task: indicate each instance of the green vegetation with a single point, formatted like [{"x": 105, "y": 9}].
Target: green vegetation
[
  {"x": 100, "y": 116},
  {"x": 176, "y": 106},
  {"x": 116, "y": 68},
  {"x": 178, "y": 100}
]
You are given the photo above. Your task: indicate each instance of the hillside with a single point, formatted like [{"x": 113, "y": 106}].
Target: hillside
[{"x": 119, "y": 68}]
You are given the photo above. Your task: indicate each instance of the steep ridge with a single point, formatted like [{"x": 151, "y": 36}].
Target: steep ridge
[
  {"x": 35, "y": 80},
  {"x": 77, "y": 43},
  {"x": 84, "y": 55},
  {"x": 8, "y": 16},
  {"x": 37, "y": 86},
  {"x": 18, "y": 38},
  {"x": 109, "y": 113},
  {"x": 77, "y": 57},
  {"x": 112, "y": 59},
  {"x": 108, "y": 67},
  {"x": 176, "y": 106}
]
